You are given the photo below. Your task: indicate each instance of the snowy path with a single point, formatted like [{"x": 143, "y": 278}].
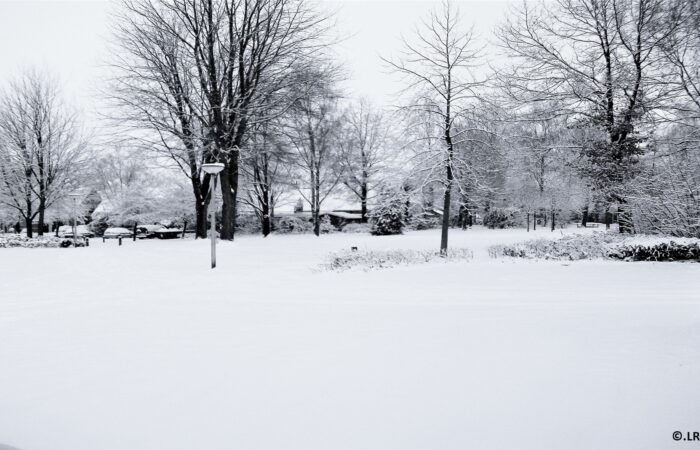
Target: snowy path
[{"x": 143, "y": 347}]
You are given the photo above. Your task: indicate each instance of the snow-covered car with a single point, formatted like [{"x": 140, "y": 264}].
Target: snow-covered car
[
  {"x": 66, "y": 231},
  {"x": 168, "y": 233},
  {"x": 117, "y": 232},
  {"x": 147, "y": 231}
]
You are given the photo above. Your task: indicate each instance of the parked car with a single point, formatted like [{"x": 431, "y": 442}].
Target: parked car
[
  {"x": 117, "y": 232},
  {"x": 82, "y": 231},
  {"x": 147, "y": 231},
  {"x": 168, "y": 233}
]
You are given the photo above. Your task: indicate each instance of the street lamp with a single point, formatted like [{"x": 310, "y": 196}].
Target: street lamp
[
  {"x": 75, "y": 196},
  {"x": 213, "y": 169}
]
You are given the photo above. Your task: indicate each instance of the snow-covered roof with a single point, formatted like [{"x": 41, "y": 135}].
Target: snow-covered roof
[
  {"x": 329, "y": 204},
  {"x": 344, "y": 215}
]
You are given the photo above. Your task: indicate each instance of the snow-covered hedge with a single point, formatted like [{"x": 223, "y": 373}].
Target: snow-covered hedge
[
  {"x": 374, "y": 259},
  {"x": 663, "y": 251},
  {"x": 18, "y": 240},
  {"x": 570, "y": 247},
  {"x": 293, "y": 224},
  {"x": 503, "y": 218},
  {"x": 603, "y": 245}
]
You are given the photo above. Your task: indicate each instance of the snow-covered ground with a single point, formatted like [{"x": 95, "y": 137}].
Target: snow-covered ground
[{"x": 143, "y": 347}]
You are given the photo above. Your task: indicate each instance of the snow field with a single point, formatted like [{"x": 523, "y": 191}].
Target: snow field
[{"x": 144, "y": 347}]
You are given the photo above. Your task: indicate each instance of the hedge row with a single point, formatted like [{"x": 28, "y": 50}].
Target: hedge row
[
  {"x": 665, "y": 251},
  {"x": 597, "y": 246},
  {"x": 18, "y": 240}
]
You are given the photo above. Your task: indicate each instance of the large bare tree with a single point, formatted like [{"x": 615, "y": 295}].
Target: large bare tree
[
  {"x": 438, "y": 69},
  {"x": 191, "y": 75}
]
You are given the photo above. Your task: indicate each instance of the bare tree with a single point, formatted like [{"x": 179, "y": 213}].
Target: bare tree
[
  {"x": 41, "y": 147},
  {"x": 437, "y": 69},
  {"x": 267, "y": 170},
  {"x": 682, "y": 52},
  {"x": 312, "y": 127},
  {"x": 363, "y": 151}
]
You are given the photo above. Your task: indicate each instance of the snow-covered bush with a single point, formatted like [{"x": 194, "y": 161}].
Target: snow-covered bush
[
  {"x": 571, "y": 247},
  {"x": 389, "y": 216},
  {"x": 373, "y": 259},
  {"x": 663, "y": 251},
  {"x": 99, "y": 226},
  {"x": 424, "y": 221},
  {"x": 293, "y": 224},
  {"x": 326, "y": 226},
  {"x": 357, "y": 228},
  {"x": 18, "y": 240},
  {"x": 503, "y": 218},
  {"x": 248, "y": 224}
]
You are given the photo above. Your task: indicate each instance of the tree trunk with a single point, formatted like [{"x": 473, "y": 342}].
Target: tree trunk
[
  {"x": 317, "y": 223},
  {"x": 624, "y": 217},
  {"x": 584, "y": 217},
  {"x": 534, "y": 221},
  {"x": 317, "y": 207},
  {"x": 528, "y": 221},
  {"x": 42, "y": 213},
  {"x": 363, "y": 203},
  {"x": 553, "y": 224},
  {"x": 266, "y": 216},
  {"x": 229, "y": 194},
  {"x": 28, "y": 224},
  {"x": 608, "y": 218},
  {"x": 201, "y": 219},
  {"x": 449, "y": 176}
]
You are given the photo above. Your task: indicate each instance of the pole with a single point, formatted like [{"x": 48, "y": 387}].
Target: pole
[{"x": 213, "y": 221}]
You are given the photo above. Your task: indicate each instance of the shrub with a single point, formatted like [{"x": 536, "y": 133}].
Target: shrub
[
  {"x": 357, "y": 228},
  {"x": 370, "y": 260},
  {"x": 389, "y": 216},
  {"x": 503, "y": 218},
  {"x": 326, "y": 226},
  {"x": 664, "y": 251},
  {"x": 248, "y": 224},
  {"x": 293, "y": 224},
  {"x": 99, "y": 226},
  {"x": 424, "y": 221}
]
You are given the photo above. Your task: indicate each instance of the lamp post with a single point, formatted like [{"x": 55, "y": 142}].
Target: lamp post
[
  {"x": 75, "y": 196},
  {"x": 213, "y": 169}
]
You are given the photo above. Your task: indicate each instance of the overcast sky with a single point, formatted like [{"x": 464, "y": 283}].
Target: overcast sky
[{"x": 68, "y": 39}]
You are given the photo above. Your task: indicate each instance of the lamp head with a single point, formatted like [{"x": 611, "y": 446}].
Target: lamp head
[{"x": 212, "y": 168}]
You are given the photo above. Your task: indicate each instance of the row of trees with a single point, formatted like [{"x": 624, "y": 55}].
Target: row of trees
[{"x": 590, "y": 110}]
